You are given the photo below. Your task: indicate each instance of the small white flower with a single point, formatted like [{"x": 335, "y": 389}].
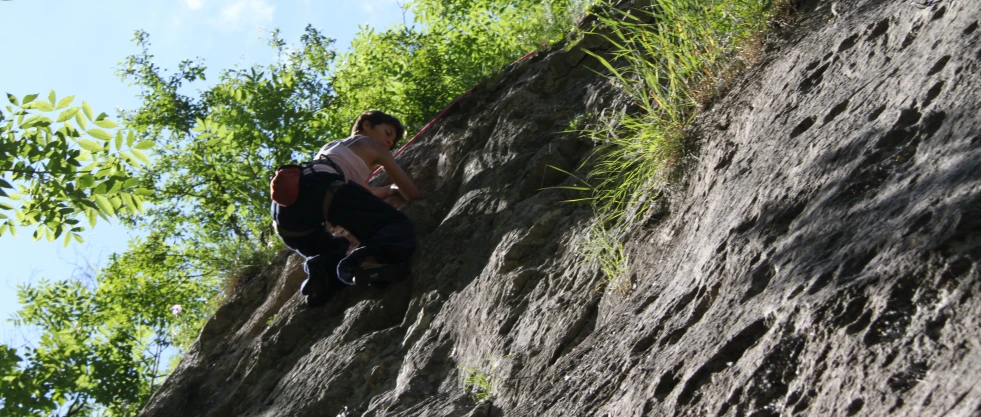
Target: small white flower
[{"x": 176, "y": 309}]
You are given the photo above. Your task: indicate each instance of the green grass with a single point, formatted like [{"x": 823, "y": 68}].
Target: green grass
[
  {"x": 669, "y": 59},
  {"x": 603, "y": 249},
  {"x": 478, "y": 383}
]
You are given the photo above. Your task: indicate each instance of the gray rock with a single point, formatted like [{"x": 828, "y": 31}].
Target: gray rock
[{"x": 820, "y": 257}]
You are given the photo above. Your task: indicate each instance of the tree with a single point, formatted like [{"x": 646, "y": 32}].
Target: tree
[{"x": 54, "y": 171}]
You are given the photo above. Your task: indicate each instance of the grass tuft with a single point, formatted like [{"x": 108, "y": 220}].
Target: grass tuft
[
  {"x": 478, "y": 383},
  {"x": 671, "y": 60}
]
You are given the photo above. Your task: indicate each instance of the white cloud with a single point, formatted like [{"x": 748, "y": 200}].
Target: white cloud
[
  {"x": 253, "y": 12},
  {"x": 194, "y": 4}
]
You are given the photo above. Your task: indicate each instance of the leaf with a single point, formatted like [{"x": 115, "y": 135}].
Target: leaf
[
  {"x": 28, "y": 98},
  {"x": 128, "y": 199},
  {"x": 90, "y": 145},
  {"x": 130, "y": 137},
  {"x": 119, "y": 140},
  {"x": 78, "y": 238},
  {"x": 51, "y": 97},
  {"x": 65, "y": 102},
  {"x": 99, "y": 134},
  {"x": 146, "y": 144},
  {"x": 86, "y": 181},
  {"x": 143, "y": 191},
  {"x": 90, "y": 213},
  {"x": 41, "y": 105},
  {"x": 82, "y": 124},
  {"x": 140, "y": 155},
  {"x": 229, "y": 210},
  {"x": 129, "y": 159},
  {"x": 87, "y": 109},
  {"x": 103, "y": 204},
  {"x": 13, "y": 99},
  {"x": 68, "y": 239},
  {"x": 105, "y": 123},
  {"x": 67, "y": 114}
]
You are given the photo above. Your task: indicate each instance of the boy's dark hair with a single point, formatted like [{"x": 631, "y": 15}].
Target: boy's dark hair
[{"x": 377, "y": 117}]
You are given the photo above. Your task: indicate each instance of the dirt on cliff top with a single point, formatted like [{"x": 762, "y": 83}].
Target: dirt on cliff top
[{"x": 819, "y": 257}]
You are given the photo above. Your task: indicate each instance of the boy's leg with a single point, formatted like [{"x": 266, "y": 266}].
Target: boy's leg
[
  {"x": 322, "y": 252},
  {"x": 386, "y": 234}
]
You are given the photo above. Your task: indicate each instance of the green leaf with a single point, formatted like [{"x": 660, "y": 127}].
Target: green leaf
[
  {"x": 90, "y": 145},
  {"x": 129, "y": 159},
  {"x": 28, "y": 98},
  {"x": 119, "y": 140},
  {"x": 65, "y": 102},
  {"x": 82, "y": 124},
  {"x": 78, "y": 238},
  {"x": 51, "y": 97},
  {"x": 68, "y": 239},
  {"x": 140, "y": 155},
  {"x": 229, "y": 210},
  {"x": 130, "y": 137},
  {"x": 86, "y": 181},
  {"x": 104, "y": 204},
  {"x": 128, "y": 199},
  {"x": 41, "y": 105},
  {"x": 212, "y": 142},
  {"x": 13, "y": 99},
  {"x": 143, "y": 191},
  {"x": 146, "y": 144},
  {"x": 105, "y": 123},
  {"x": 87, "y": 109},
  {"x": 90, "y": 213},
  {"x": 67, "y": 114},
  {"x": 130, "y": 182},
  {"x": 99, "y": 134}
]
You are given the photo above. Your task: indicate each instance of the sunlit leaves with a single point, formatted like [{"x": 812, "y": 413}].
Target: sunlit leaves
[{"x": 44, "y": 184}]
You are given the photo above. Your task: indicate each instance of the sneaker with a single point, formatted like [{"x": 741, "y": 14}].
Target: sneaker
[{"x": 381, "y": 274}]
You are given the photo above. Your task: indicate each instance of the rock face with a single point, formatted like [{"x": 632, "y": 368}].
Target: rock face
[{"x": 820, "y": 256}]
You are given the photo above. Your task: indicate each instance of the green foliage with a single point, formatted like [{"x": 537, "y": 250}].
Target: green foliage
[
  {"x": 58, "y": 166},
  {"x": 603, "y": 249},
  {"x": 103, "y": 340},
  {"x": 663, "y": 59},
  {"x": 414, "y": 71},
  {"x": 218, "y": 148},
  {"x": 478, "y": 383}
]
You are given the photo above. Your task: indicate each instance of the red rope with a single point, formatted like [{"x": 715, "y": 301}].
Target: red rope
[{"x": 437, "y": 118}]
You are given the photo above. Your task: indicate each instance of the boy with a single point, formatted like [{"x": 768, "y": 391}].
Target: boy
[{"x": 333, "y": 189}]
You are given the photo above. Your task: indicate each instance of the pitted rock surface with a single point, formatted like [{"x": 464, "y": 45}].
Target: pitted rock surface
[{"x": 819, "y": 257}]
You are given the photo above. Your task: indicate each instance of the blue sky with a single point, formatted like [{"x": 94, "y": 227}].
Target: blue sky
[{"x": 74, "y": 47}]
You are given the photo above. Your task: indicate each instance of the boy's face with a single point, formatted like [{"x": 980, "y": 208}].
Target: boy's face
[{"x": 382, "y": 132}]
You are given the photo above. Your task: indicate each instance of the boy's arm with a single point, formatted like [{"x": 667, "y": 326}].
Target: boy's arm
[{"x": 405, "y": 185}]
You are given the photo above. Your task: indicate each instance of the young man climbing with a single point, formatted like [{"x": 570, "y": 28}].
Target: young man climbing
[{"x": 333, "y": 189}]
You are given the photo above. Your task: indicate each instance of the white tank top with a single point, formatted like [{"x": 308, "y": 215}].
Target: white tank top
[{"x": 355, "y": 170}]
